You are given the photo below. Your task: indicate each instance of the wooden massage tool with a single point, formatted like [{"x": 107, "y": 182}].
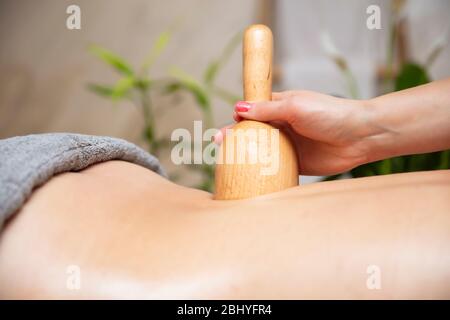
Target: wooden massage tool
[{"x": 245, "y": 179}]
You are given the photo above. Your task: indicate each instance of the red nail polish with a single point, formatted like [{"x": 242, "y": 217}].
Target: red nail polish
[{"x": 242, "y": 106}]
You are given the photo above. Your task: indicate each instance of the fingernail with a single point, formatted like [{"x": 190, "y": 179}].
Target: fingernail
[{"x": 242, "y": 106}]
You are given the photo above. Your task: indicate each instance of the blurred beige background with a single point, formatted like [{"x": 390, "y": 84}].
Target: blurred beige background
[{"x": 44, "y": 67}]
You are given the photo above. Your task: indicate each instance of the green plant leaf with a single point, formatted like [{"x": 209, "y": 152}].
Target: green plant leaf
[
  {"x": 158, "y": 47},
  {"x": 149, "y": 134},
  {"x": 419, "y": 162},
  {"x": 211, "y": 72},
  {"x": 444, "y": 161},
  {"x": 172, "y": 87},
  {"x": 214, "y": 67},
  {"x": 143, "y": 83},
  {"x": 333, "y": 177},
  {"x": 398, "y": 164},
  {"x": 411, "y": 75},
  {"x": 385, "y": 166},
  {"x": 191, "y": 85},
  {"x": 101, "y": 90},
  {"x": 122, "y": 88},
  {"x": 118, "y": 63},
  {"x": 226, "y": 96},
  {"x": 365, "y": 170}
]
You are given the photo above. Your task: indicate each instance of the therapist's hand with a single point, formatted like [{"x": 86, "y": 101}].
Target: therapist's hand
[
  {"x": 333, "y": 135},
  {"x": 329, "y": 133}
]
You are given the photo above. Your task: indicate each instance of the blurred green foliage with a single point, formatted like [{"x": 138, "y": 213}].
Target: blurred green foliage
[
  {"x": 410, "y": 75},
  {"x": 137, "y": 86}
]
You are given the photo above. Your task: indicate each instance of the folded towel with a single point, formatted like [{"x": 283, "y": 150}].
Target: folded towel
[{"x": 29, "y": 161}]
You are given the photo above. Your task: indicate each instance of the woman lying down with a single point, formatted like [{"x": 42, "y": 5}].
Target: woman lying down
[{"x": 93, "y": 217}]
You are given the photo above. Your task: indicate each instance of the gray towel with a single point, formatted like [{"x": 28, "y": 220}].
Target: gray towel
[{"x": 29, "y": 161}]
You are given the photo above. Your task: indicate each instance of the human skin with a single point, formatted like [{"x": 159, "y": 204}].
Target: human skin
[
  {"x": 134, "y": 234},
  {"x": 333, "y": 135}
]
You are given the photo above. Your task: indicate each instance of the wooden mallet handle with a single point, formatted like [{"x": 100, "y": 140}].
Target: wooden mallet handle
[
  {"x": 235, "y": 179},
  {"x": 257, "y": 54}
]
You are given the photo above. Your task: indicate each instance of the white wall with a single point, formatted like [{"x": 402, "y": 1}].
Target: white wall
[{"x": 305, "y": 64}]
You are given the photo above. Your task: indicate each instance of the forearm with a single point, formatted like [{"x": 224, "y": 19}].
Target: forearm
[{"x": 411, "y": 121}]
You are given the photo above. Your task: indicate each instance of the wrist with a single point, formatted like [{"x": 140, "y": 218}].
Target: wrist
[{"x": 375, "y": 135}]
